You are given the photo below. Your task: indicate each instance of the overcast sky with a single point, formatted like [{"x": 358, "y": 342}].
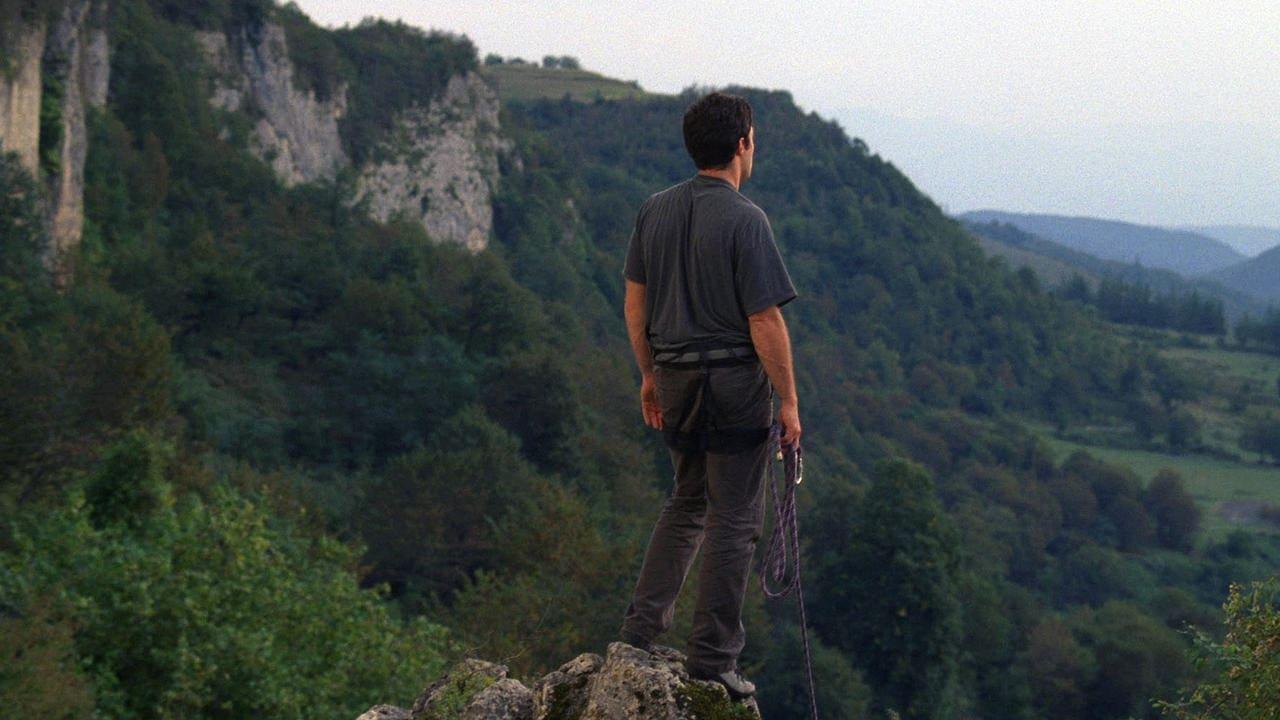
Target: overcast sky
[{"x": 1155, "y": 112}]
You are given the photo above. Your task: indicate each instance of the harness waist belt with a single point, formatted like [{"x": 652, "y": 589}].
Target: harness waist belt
[{"x": 739, "y": 352}]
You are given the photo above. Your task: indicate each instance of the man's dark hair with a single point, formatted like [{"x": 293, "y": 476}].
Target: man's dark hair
[{"x": 712, "y": 126}]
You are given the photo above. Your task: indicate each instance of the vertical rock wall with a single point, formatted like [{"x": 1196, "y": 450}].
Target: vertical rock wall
[
  {"x": 440, "y": 164},
  {"x": 69, "y": 55},
  {"x": 20, "y": 95},
  {"x": 76, "y": 55},
  {"x": 295, "y": 132}
]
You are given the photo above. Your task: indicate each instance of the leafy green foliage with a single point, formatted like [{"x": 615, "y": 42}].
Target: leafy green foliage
[
  {"x": 1136, "y": 304},
  {"x": 395, "y": 65},
  {"x": 1240, "y": 675},
  {"x": 38, "y": 664},
  {"x": 1262, "y": 435},
  {"x": 1176, "y": 514},
  {"x": 905, "y": 634},
  {"x": 208, "y": 605},
  {"x": 1263, "y": 331},
  {"x": 471, "y": 419}
]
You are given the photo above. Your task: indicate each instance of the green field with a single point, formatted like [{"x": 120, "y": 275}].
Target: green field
[
  {"x": 1242, "y": 486},
  {"x": 530, "y": 82}
]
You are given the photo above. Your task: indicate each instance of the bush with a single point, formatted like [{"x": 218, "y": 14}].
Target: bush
[
  {"x": 1244, "y": 679},
  {"x": 211, "y": 606}
]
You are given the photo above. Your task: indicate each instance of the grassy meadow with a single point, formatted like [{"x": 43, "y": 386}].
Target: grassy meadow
[{"x": 1230, "y": 484}]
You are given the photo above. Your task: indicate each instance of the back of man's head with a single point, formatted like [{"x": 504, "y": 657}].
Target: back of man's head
[{"x": 712, "y": 126}]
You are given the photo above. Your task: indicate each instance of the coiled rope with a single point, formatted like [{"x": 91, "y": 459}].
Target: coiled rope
[{"x": 786, "y": 533}]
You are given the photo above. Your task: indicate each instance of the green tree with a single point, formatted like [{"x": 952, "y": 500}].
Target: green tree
[
  {"x": 1261, "y": 434},
  {"x": 1183, "y": 429},
  {"x": 208, "y": 605},
  {"x": 1241, "y": 674},
  {"x": 1176, "y": 514},
  {"x": 429, "y": 519},
  {"x": 1062, "y": 670},
  {"x": 903, "y": 629},
  {"x": 1136, "y": 657},
  {"x": 39, "y": 668}
]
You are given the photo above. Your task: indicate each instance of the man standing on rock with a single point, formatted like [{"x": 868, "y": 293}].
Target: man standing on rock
[{"x": 704, "y": 287}]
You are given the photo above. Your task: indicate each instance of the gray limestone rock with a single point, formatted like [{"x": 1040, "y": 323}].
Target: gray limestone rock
[
  {"x": 562, "y": 693},
  {"x": 439, "y": 165},
  {"x": 626, "y": 684},
  {"x": 294, "y": 131},
  {"x": 506, "y": 699},
  {"x": 385, "y": 712}
]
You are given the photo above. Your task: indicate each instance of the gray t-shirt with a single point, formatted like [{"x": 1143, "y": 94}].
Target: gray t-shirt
[{"x": 699, "y": 292}]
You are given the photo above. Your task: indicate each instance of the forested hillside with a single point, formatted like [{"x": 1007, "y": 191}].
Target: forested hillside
[
  {"x": 295, "y": 436},
  {"x": 1197, "y": 296}
]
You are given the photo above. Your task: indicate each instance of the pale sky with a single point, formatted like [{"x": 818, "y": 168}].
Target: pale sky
[{"x": 1155, "y": 112}]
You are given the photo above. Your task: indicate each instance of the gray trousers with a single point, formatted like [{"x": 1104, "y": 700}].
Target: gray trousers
[{"x": 719, "y": 496}]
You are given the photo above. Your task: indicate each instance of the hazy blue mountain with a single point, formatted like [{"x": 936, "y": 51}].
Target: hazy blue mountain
[
  {"x": 1184, "y": 252},
  {"x": 1248, "y": 239},
  {"x": 1259, "y": 276},
  {"x": 1054, "y": 263}
]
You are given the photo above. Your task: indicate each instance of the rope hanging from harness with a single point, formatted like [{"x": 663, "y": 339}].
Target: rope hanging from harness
[{"x": 786, "y": 533}]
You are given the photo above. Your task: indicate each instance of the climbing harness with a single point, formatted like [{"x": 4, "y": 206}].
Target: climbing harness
[
  {"x": 785, "y": 532},
  {"x": 705, "y": 433}
]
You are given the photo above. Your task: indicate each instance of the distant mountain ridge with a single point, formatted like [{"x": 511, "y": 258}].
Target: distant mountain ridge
[
  {"x": 1251, "y": 240},
  {"x": 1182, "y": 251},
  {"x": 1055, "y": 263},
  {"x": 1259, "y": 276}
]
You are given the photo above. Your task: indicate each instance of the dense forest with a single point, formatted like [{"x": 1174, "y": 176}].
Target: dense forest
[
  {"x": 267, "y": 456},
  {"x": 1261, "y": 331}
]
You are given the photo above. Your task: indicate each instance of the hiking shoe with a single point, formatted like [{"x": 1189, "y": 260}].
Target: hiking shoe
[
  {"x": 645, "y": 645},
  {"x": 738, "y": 686}
]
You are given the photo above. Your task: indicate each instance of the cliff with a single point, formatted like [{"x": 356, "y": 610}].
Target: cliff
[
  {"x": 20, "y": 93},
  {"x": 61, "y": 68},
  {"x": 438, "y": 165},
  {"x": 626, "y": 684},
  {"x": 296, "y": 133}
]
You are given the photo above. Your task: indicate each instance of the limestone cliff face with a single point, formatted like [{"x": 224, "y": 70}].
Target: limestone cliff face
[
  {"x": 295, "y": 132},
  {"x": 20, "y": 96},
  {"x": 68, "y": 56},
  {"x": 76, "y": 53},
  {"x": 440, "y": 164}
]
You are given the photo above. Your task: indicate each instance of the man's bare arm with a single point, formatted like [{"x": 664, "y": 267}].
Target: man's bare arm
[
  {"x": 773, "y": 346},
  {"x": 633, "y": 309}
]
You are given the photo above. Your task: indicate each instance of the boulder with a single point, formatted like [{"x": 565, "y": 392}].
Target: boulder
[{"x": 627, "y": 683}]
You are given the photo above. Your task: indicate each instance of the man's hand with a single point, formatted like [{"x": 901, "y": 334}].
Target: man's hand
[
  {"x": 649, "y": 404},
  {"x": 773, "y": 345},
  {"x": 789, "y": 417}
]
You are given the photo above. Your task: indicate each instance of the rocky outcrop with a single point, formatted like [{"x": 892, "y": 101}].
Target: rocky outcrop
[
  {"x": 295, "y": 132},
  {"x": 626, "y": 684},
  {"x": 68, "y": 58},
  {"x": 439, "y": 164},
  {"x": 75, "y": 55},
  {"x": 20, "y": 93}
]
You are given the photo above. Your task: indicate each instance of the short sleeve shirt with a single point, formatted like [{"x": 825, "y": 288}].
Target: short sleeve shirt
[{"x": 707, "y": 258}]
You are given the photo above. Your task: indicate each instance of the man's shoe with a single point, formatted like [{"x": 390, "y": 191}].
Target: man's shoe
[
  {"x": 738, "y": 686},
  {"x": 645, "y": 645}
]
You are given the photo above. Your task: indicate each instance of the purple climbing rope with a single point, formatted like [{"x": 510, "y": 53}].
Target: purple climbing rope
[{"x": 785, "y": 533}]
